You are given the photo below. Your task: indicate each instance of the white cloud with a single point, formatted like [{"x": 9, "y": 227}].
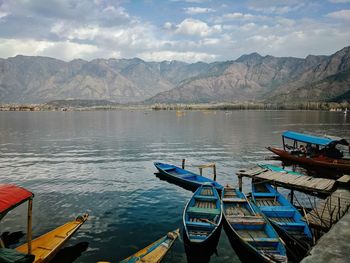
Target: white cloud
[
  {"x": 187, "y": 56},
  {"x": 168, "y": 26},
  {"x": 62, "y": 50},
  {"x": 3, "y": 14},
  {"x": 237, "y": 15},
  {"x": 276, "y": 7},
  {"x": 198, "y": 10},
  {"x": 342, "y": 14},
  {"x": 196, "y": 27}
]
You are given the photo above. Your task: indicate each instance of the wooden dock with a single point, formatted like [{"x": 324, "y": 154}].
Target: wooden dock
[
  {"x": 302, "y": 183},
  {"x": 329, "y": 211}
]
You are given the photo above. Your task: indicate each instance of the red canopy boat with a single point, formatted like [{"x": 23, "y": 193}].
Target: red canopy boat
[
  {"x": 314, "y": 151},
  {"x": 41, "y": 249}
]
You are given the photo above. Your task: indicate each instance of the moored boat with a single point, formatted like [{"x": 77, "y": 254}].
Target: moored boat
[
  {"x": 185, "y": 177},
  {"x": 43, "y": 248},
  {"x": 156, "y": 251},
  {"x": 250, "y": 233},
  {"x": 318, "y": 152},
  {"x": 285, "y": 218},
  {"x": 202, "y": 216}
]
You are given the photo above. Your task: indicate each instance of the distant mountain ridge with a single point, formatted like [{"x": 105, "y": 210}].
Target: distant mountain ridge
[
  {"x": 268, "y": 79},
  {"x": 251, "y": 77}
]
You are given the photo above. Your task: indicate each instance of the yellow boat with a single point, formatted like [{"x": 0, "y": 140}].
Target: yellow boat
[
  {"x": 43, "y": 248},
  {"x": 155, "y": 252},
  {"x": 46, "y": 246}
]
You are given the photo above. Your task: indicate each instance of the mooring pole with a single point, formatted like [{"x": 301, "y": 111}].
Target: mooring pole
[
  {"x": 29, "y": 225},
  {"x": 183, "y": 163},
  {"x": 214, "y": 171},
  {"x": 200, "y": 170},
  {"x": 240, "y": 182},
  {"x": 291, "y": 196}
]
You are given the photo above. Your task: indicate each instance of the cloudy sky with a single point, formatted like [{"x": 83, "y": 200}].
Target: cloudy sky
[{"x": 188, "y": 30}]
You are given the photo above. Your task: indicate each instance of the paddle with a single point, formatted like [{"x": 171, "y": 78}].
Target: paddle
[{"x": 207, "y": 221}]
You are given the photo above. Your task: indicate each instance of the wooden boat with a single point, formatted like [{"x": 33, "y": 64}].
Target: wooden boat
[
  {"x": 46, "y": 246},
  {"x": 156, "y": 251},
  {"x": 319, "y": 151},
  {"x": 250, "y": 233},
  {"x": 284, "y": 217},
  {"x": 184, "y": 177},
  {"x": 43, "y": 248},
  {"x": 202, "y": 216}
]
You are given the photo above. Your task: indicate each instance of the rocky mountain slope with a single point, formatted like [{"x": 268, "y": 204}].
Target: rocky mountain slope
[
  {"x": 249, "y": 78},
  {"x": 253, "y": 77},
  {"x": 39, "y": 79}
]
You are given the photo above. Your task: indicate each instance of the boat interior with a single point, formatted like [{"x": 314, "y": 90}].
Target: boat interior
[
  {"x": 249, "y": 225},
  {"x": 271, "y": 203},
  {"x": 203, "y": 214}
]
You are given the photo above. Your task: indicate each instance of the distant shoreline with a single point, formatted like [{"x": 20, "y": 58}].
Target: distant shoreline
[{"x": 326, "y": 106}]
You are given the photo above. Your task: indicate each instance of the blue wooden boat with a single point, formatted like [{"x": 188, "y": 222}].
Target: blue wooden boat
[
  {"x": 250, "y": 233},
  {"x": 202, "y": 215},
  {"x": 186, "y": 178},
  {"x": 284, "y": 217}
]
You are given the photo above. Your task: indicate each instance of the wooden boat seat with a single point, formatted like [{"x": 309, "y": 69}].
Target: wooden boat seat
[
  {"x": 291, "y": 225},
  {"x": 198, "y": 210},
  {"x": 234, "y": 200},
  {"x": 277, "y": 211},
  {"x": 265, "y": 195},
  {"x": 196, "y": 225},
  {"x": 262, "y": 240},
  {"x": 245, "y": 221},
  {"x": 205, "y": 197}
]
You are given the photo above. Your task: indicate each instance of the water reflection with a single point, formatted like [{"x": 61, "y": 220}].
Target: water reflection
[{"x": 102, "y": 163}]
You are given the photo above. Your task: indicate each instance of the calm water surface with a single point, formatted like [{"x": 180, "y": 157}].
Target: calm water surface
[{"x": 102, "y": 163}]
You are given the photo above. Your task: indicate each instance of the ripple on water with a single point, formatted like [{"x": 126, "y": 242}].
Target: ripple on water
[{"x": 102, "y": 163}]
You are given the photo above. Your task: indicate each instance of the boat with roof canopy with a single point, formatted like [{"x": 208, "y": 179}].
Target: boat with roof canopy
[
  {"x": 43, "y": 248},
  {"x": 316, "y": 151}
]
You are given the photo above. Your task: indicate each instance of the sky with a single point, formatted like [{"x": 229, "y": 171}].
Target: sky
[{"x": 187, "y": 30}]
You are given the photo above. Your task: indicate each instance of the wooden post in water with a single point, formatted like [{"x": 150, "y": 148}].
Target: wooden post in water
[
  {"x": 240, "y": 182},
  {"x": 291, "y": 196},
  {"x": 29, "y": 225},
  {"x": 200, "y": 170},
  {"x": 214, "y": 171},
  {"x": 183, "y": 163}
]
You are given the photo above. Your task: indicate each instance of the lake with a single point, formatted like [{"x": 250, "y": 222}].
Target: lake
[{"x": 101, "y": 162}]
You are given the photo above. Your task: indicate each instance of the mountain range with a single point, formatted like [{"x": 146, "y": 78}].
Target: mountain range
[{"x": 27, "y": 79}]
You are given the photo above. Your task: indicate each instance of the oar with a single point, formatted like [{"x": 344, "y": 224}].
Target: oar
[{"x": 207, "y": 221}]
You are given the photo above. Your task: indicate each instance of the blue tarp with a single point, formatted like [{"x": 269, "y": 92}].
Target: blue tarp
[{"x": 323, "y": 141}]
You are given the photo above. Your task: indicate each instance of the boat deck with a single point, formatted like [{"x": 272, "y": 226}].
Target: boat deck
[{"x": 303, "y": 183}]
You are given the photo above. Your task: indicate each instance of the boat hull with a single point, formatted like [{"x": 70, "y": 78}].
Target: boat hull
[
  {"x": 202, "y": 217},
  {"x": 284, "y": 217},
  {"x": 319, "y": 161},
  {"x": 249, "y": 232},
  {"x": 244, "y": 251},
  {"x": 156, "y": 251},
  {"x": 46, "y": 246},
  {"x": 177, "y": 176}
]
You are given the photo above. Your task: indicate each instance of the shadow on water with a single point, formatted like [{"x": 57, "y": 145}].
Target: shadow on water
[
  {"x": 175, "y": 182},
  {"x": 70, "y": 254},
  {"x": 201, "y": 252},
  {"x": 11, "y": 238}
]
